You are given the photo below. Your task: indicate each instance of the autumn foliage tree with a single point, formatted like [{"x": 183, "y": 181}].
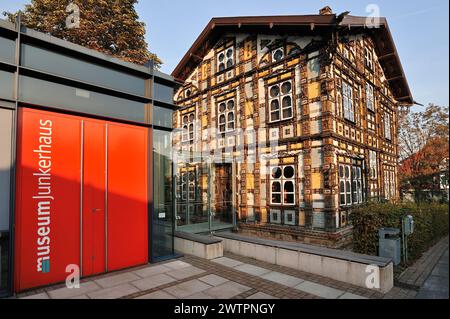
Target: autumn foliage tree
[
  {"x": 424, "y": 146},
  {"x": 108, "y": 26}
]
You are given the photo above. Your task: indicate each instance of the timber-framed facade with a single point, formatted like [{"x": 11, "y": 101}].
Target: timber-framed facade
[{"x": 286, "y": 123}]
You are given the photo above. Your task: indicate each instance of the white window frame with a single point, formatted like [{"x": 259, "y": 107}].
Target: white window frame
[
  {"x": 351, "y": 186},
  {"x": 226, "y": 113},
  {"x": 282, "y": 180},
  {"x": 188, "y": 129},
  {"x": 368, "y": 58},
  {"x": 345, "y": 191},
  {"x": 373, "y": 164},
  {"x": 279, "y": 99},
  {"x": 387, "y": 126},
  {"x": 226, "y": 59},
  {"x": 347, "y": 101},
  {"x": 370, "y": 100}
]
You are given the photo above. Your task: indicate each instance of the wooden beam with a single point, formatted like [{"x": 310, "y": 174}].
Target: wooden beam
[{"x": 386, "y": 56}]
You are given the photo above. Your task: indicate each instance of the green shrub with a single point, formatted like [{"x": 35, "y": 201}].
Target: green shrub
[{"x": 430, "y": 224}]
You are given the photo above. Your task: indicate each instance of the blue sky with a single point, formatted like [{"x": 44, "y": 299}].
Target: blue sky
[{"x": 420, "y": 30}]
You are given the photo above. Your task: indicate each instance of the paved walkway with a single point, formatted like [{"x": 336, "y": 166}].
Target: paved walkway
[
  {"x": 436, "y": 285},
  {"x": 229, "y": 277},
  {"x": 416, "y": 275},
  {"x": 237, "y": 277}
]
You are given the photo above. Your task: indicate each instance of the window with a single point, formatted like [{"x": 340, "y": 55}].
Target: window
[
  {"x": 370, "y": 102},
  {"x": 387, "y": 126},
  {"x": 281, "y": 102},
  {"x": 188, "y": 186},
  {"x": 389, "y": 183},
  {"x": 282, "y": 180},
  {"x": 275, "y": 216},
  {"x": 373, "y": 164},
  {"x": 225, "y": 59},
  {"x": 188, "y": 121},
  {"x": 277, "y": 54},
  {"x": 226, "y": 116},
  {"x": 289, "y": 217},
  {"x": 347, "y": 102},
  {"x": 350, "y": 185},
  {"x": 368, "y": 58}
]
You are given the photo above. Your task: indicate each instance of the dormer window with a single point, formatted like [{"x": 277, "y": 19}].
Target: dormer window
[
  {"x": 225, "y": 59},
  {"x": 278, "y": 54}
]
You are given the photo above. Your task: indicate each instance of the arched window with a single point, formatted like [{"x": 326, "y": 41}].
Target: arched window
[
  {"x": 226, "y": 116},
  {"x": 281, "y": 102}
]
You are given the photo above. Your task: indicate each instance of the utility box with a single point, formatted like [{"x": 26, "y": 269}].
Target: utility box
[
  {"x": 408, "y": 225},
  {"x": 389, "y": 244}
]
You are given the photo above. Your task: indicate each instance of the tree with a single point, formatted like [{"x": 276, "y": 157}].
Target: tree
[
  {"x": 108, "y": 26},
  {"x": 424, "y": 146}
]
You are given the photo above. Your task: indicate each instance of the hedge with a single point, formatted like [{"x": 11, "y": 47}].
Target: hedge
[{"x": 430, "y": 224}]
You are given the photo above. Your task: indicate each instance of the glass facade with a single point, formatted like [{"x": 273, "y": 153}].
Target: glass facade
[
  {"x": 55, "y": 63},
  {"x": 203, "y": 196},
  {"x": 7, "y": 50},
  {"x": 163, "y": 93},
  {"x": 6, "y": 85},
  {"x": 163, "y": 210},
  {"x": 41, "y": 92},
  {"x": 6, "y": 120},
  {"x": 162, "y": 117}
]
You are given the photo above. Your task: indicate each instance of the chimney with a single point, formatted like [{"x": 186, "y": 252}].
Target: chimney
[{"x": 326, "y": 11}]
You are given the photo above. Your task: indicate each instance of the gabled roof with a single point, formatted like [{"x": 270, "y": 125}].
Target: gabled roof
[{"x": 307, "y": 24}]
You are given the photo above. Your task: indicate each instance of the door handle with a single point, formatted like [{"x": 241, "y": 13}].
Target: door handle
[{"x": 96, "y": 210}]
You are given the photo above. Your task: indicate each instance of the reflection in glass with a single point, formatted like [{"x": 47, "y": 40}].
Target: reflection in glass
[
  {"x": 162, "y": 117},
  {"x": 162, "y": 229},
  {"x": 7, "y": 50},
  {"x": 6, "y": 85},
  {"x": 51, "y": 62},
  {"x": 40, "y": 92}
]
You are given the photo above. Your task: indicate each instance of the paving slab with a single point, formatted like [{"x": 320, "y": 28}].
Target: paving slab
[
  {"x": 213, "y": 280},
  {"x": 282, "y": 279},
  {"x": 157, "y": 295},
  {"x": 252, "y": 270},
  {"x": 348, "y": 295},
  {"x": 199, "y": 296},
  {"x": 177, "y": 264},
  {"x": 66, "y": 293},
  {"x": 188, "y": 288},
  {"x": 153, "y": 282},
  {"x": 116, "y": 280},
  {"x": 227, "y": 262},
  {"x": 42, "y": 295},
  {"x": 261, "y": 296},
  {"x": 114, "y": 292},
  {"x": 319, "y": 290},
  {"x": 152, "y": 270},
  {"x": 227, "y": 290},
  {"x": 184, "y": 273}
]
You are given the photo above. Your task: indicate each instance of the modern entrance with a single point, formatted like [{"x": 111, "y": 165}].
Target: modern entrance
[
  {"x": 81, "y": 197},
  {"x": 204, "y": 197}
]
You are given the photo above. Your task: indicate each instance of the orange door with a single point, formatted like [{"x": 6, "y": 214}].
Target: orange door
[
  {"x": 127, "y": 196},
  {"x": 94, "y": 198},
  {"x": 47, "y": 223}
]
